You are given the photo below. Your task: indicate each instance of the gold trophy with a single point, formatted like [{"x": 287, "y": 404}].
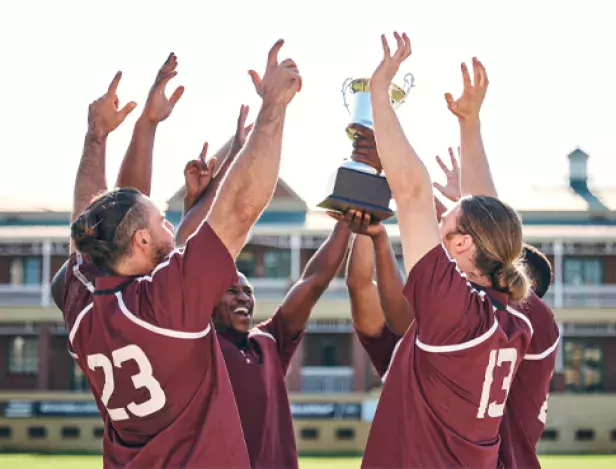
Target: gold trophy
[{"x": 359, "y": 183}]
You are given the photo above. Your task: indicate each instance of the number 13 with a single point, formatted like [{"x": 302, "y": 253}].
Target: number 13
[
  {"x": 497, "y": 358},
  {"x": 143, "y": 379}
]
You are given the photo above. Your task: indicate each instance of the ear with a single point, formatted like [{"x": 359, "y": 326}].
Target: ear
[
  {"x": 462, "y": 244},
  {"x": 142, "y": 241}
]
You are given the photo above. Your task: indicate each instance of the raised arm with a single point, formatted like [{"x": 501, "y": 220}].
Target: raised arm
[
  {"x": 315, "y": 279},
  {"x": 476, "y": 177},
  {"x": 103, "y": 118},
  {"x": 408, "y": 177},
  {"x": 368, "y": 318},
  {"x": 136, "y": 168},
  {"x": 389, "y": 282},
  {"x": 250, "y": 182},
  {"x": 202, "y": 179},
  {"x": 366, "y": 311}
]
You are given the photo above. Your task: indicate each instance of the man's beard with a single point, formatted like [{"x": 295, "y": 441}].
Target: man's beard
[{"x": 161, "y": 251}]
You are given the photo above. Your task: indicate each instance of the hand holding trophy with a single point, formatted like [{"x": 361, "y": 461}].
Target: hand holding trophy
[{"x": 359, "y": 183}]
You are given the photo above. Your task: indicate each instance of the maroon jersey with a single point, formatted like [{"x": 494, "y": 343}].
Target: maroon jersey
[
  {"x": 447, "y": 385},
  {"x": 257, "y": 367},
  {"x": 380, "y": 348},
  {"x": 153, "y": 362},
  {"x": 526, "y": 410}
]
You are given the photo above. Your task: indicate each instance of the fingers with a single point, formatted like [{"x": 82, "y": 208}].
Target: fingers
[
  {"x": 126, "y": 110},
  {"x": 203, "y": 153},
  {"x": 407, "y": 46},
  {"x": 481, "y": 76},
  {"x": 256, "y": 80},
  {"x": 452, "y": 157},
  {"x": 272, "y": 56},
  {"x": 336, "y": 215},
  {"x": 113, "y": 86},
  {"x": 211, "y": 165},
  {"x": 241, "y": 120},
  {"x": 162, "y": 80},
  {"x": 466, "y": 78},
  {"x": 450, "y": 102},
  {"x": 439, "y": 188},
  {"x": 248, "y": 128},
  {"x": 386, "y": 51},
  {"x": 476, "y": 72},
  {"x": 365, "y": 222},
  {"x": 442, "y": 165},
  {"x": 289, "y": 63},
  {"x": 177, "y": 94},
  {"x": 169, "y": 66}
]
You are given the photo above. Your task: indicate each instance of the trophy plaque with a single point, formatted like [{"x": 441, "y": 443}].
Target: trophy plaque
[{"x": 359, "y": 183}]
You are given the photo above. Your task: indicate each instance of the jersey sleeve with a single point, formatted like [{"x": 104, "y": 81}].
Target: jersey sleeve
[
  {"x": 78, "y": 287},
  {"x": 546, "y": 334},
  {"x": 286, "y": 343},
  {"x": 448, "y": 309},
  {"x": 379, "y": 348},
  {"x": 181, "y": 292}
]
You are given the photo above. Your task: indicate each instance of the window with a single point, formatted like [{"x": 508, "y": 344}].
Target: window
[
  {"x": 246, "y": 264},
  {"x": 277, "y": 263},
  {"x": 583, "y": 365},
  {"x": 79, "y": 381},
  {"x": 23, "y": 355},
  {"x": 26, "y": 271},
  {"x": 583, "y": 271},
  {"x": 328, "y": 350}
]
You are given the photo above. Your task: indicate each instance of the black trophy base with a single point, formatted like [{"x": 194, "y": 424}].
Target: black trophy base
[{"x": 358, "y": 190}]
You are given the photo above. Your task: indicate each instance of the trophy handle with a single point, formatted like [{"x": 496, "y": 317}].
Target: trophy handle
[
  {"x": 345, "y": 87},
  {"x": 409, "y": 82}
]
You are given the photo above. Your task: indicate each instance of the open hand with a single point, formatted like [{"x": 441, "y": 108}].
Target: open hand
[
  {"x": 389, "y": 66},
  {"x": 158, "y": 106},
  {"x": 198, "y": 174},
  {"x": 104, "y": 115},
  {"x": 452, "y": 189},
  {"x": 359, "y": 222},
  {"x": 469, "y": 104},
  {"x": 281, "y": 81},
  {"x": 241, "y": 132}
]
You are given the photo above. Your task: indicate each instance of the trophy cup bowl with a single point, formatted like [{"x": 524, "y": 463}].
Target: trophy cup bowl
[{"x": 359, "y": 183}]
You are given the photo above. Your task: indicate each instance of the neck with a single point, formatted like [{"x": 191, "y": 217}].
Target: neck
[
  {"x": 479, "y": 279},
  {"x": 129, "y": 269},
  {"x": 238, "y": 338}
]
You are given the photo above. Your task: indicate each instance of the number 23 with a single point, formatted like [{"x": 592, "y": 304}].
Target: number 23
[{"x": 143, "y": 379}]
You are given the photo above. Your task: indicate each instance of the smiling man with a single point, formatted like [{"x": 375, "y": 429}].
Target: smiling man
[{"x": 258, "y": 357}]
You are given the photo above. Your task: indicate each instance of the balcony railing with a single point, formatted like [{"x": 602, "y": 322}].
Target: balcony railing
[
  {"x": 572, "y": 296},
  {"x": 326, "y": 379},
  {"x": 583, "y": 296}
]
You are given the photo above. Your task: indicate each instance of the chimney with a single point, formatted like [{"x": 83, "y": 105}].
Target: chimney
[
  {"x": 578, "y": 170},
  {"x": 578, "y": 181}
]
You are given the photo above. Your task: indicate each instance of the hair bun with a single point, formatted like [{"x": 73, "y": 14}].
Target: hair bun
[
  {"x": 84, "y": 228},
  {"x": 514, "y": 280}
]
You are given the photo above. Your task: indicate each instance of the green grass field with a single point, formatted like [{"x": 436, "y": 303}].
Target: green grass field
[{"x": 41, "y": 461}]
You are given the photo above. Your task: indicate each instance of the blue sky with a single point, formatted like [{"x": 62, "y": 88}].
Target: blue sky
[{"x": 551, "y": 68}]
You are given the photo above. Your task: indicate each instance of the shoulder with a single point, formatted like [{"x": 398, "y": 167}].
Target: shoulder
[
  {"x": 546, "y": 334},
  {"x": 80, "y": 275},
  {"x": 258, "y": 334}
]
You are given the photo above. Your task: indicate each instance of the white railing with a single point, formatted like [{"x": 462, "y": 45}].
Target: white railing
[
  {"x": 327, "y": 379},
  {"x": 570, "y": 296},
  {"x": 583, "y": 296}
]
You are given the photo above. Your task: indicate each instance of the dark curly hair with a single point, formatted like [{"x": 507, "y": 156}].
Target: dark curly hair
[{"x": 540, "y": 269}]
